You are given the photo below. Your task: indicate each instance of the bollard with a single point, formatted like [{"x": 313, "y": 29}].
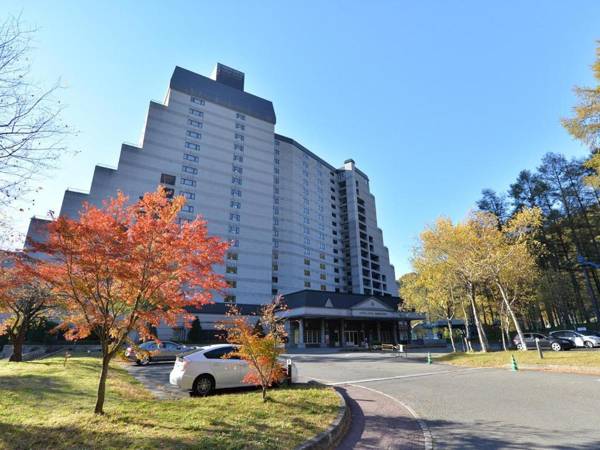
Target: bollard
[
  {"x": 539, "y": 349},
  {"x": 288, "y": 374},
  {"x": 428, "y": 358},
  {"x": 513, "y": 363}
]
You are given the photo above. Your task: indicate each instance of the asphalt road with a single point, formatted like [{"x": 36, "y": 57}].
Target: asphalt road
[{"x": 475, "y": 408}]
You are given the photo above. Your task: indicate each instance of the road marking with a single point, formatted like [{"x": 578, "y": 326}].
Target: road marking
[
  {"x": 396, "y": 377},
  {"x": 427, "y": 436}
]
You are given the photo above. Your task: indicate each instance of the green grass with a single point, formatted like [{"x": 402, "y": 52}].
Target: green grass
[
  {"x": 45, "y": 405},
  {"x": 577, "y": 361}
]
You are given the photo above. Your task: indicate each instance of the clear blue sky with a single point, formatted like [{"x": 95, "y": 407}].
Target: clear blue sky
[{"x": 434, "y": 100}]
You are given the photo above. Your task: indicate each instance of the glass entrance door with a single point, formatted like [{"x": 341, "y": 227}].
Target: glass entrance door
[{"x": 353, "y": 338}]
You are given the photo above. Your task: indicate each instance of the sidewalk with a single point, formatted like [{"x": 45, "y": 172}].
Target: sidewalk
[{"x": 379, "y": 423}]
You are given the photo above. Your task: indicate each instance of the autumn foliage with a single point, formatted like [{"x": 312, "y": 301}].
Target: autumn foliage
[
  {"x": 261, "y": 350},
  {"x": 24, "y": 300},
  {"x": 126, "y": 268}
]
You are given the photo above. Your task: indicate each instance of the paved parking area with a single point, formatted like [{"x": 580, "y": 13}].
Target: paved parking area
[
  {"x": 465, "y": 408},
  {"x": 410, "y": 403}
]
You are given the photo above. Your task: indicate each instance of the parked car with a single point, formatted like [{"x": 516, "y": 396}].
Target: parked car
[
  {"x": 150, "y": 351},
  {"x": 588, "y": 339},
  {"x": 546, "y": 342},
  {"x": 209, "y": 368}
]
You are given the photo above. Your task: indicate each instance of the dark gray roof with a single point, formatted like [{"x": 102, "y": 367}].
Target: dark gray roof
[
  {"x": 338, "y": 300},
  {"x": 222, "y": 308},
  {"x": 198, "y": 85}
]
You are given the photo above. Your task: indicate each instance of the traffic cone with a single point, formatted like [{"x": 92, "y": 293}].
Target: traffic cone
[
  {"x": 428, "y": 358},
  {"x": 513, "y": 363}
]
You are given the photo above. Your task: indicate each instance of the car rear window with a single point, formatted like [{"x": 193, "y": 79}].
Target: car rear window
[{"x": 218, "y": 353}]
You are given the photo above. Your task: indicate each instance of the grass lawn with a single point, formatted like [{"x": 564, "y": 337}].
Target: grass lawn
[
  {"x": 579, "y": 361},
  {"x": 45, "y": 405}
]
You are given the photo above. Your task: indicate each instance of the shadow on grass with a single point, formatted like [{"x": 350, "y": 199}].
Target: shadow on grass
[
  {"x": 36, "y": 388},
  {"x": 28, "y": 436}
]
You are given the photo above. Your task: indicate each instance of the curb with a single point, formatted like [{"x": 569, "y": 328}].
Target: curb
[{"x": 333, "y": 435}]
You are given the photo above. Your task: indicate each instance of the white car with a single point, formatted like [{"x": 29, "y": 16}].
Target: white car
[{"x": 207, "y": 369}]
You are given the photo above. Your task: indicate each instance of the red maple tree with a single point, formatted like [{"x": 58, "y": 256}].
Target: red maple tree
[
  {"x": 128, "y": 267},
  {"x": 25, "y": 301},
  {"x": 260, "y": 350}
]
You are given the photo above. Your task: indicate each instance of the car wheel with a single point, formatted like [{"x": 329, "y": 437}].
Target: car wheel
[
  {"x": 203, "y": 385},
  {"x": 556, "y": 347},
  {"x": 143, "y": 361},
  {"x": 588, "y": 344},
  {"x": 519, "y": 346}
]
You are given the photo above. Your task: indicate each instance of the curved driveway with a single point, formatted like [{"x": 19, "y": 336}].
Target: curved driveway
[{"x": 475, "y": 408}]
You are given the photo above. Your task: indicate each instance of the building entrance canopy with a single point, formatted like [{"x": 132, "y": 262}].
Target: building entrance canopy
[{"x": 319, "y": 318}]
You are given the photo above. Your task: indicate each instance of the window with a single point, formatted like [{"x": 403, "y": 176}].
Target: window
[
  {"x": 231, "y": 269},
  {"x": 306, "y": 251},
  {"x": 276, "y": 160},
  {"x": 306, "y": 241},
  {"x": 188, "y": 195},
  {"x": 306, "y": 230},
  {"x": 274, "y": 280},
  {"x": 236, "y": 180},
  {"x": 238, "y": 147},
  {"x": 167, "y": 179},
  {"x": 236, "y": 169},
  {"x": 190, "y": 157},
  {"x": 234, "y": 217},
  {"x": 192, "y": 146},
  {"x": 322, "y": 266},
  {"x": 231, "y": 283},
  {"x": 275, "y": 209},
  {"x": 236, "y": 193},
  {"x": 194, "y": 123},
  {"x": 219, "y": 353},
  {"x": 307, "y": 273},
  {"x": 321, "y": 246},
  {"x": 239, "y": 137},
  {"x": 235, "y": 243},
  {"x": 169, "y": 192},
  {"x": 306, "y": 220},
  {"x": 229, "y": 299},
  {"x": 187, "y": 208},
  {"x": 275, "y": 220},
  {"x": 235, "y": 204},
  {"x": 307, "y": 284},
  {"x": 188, "y": 169},
  {"x": 306, "y": 261},
  {"x": 195, "y": 112},
  {"x": 276, "y": 243},
  {"x": 240, "y": 116},
  {"x": 237, "y": 157},
  {"x": 322, "y": 255},
  {"x": 275, "y": 232},
  {"x": 188, "y": 182},
  {"x": 193, "y": 134},
  {"x": 197, "y": 100},
  {"x": 276, "y": 169},
  {"x": 234, "y": 229},
  {"x": 323, "y": 276},
  {"x": 232, "y": 256},
  {"x": 275, "y": 267},
  {"x": 240, "y": 126},
  {"x": 323, "y": 287}
]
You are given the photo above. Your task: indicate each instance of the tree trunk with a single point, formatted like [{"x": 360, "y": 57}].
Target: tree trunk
[
  {"x": 102, "y": 385},
  {"x": 18, "y": 339},
  {"x": 513, "y": 317},
  {"x": 467, "y": 327},
  {"x": 450, "y": 331},
  {"x": 264, "y": 393},
  {"x": 480, "y": 331}
]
